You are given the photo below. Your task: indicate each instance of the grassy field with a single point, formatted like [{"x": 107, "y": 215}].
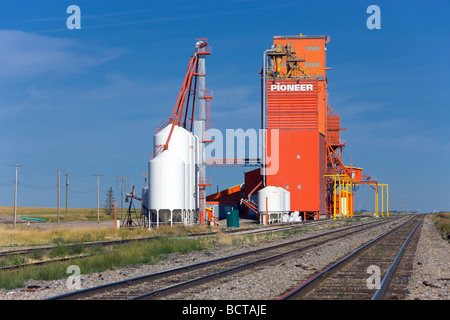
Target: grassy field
[
  {"x": 40, "y": 236},
  {"x": 103, "y": 259},
  {"x": 51, "y": 214},
  {"x": 25, "y": 236}
]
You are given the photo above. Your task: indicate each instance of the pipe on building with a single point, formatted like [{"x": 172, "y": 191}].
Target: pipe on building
[{"x": 264, "y": 113}]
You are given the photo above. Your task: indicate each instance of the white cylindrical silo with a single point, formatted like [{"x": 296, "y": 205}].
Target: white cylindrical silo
[
  {"x": 273, "y": 196},
  {"x": 166, "y": 182},
  {"x": 180, "y": 145}
]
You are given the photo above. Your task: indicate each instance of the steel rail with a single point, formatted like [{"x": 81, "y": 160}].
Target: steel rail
[
  {"x": 107, "y": 243},
  {"x": 384, "y": 285},
  {"x": 213, "y": 276},
  {"x": 212, "y": 233},
  {"x": 134, "y": 281},
  {"x": 312, "y": 281}
]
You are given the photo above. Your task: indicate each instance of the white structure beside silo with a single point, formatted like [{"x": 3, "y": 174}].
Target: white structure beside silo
[{"x": 278, "y": 204}]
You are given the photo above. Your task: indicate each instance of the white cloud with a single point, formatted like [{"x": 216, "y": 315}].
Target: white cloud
[{"x": 24, "y": 55}]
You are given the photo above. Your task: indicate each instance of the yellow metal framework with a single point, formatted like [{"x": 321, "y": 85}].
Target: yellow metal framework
[
  {"x": 382, "y": 185},
  {"x": 343, "y": 190}
]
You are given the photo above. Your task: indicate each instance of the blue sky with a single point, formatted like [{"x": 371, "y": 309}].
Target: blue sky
[{"x": 87, "y": 101}]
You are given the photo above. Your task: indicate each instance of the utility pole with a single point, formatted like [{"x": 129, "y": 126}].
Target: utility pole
[
  {"x": 15, "y": 194},
  {"x": 67, "y": 190},
  {"x": 123, "y": 179},
  {"x": 59, "y": 171},
  {"x": 98, "y": 203}
]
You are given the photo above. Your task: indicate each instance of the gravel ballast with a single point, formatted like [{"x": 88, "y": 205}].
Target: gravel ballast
[
  {"x": 265, "y": 282},
  {"x": 431, "y": 276}
]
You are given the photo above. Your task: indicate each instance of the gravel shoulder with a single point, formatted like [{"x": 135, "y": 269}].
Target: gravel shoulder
[{"x": 431, "y": 276}]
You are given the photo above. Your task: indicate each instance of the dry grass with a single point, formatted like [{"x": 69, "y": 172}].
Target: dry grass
[
  {"x": 107, "y": 259},
  {"x": 33, "y": 237},
  {"x": 442, "y": 222},
  {"x": 180, "y": 229},
  {"x": 50, "y": 214}
]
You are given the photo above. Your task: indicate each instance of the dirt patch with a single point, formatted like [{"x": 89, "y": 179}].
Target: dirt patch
[{"x": 8, "y": 219}]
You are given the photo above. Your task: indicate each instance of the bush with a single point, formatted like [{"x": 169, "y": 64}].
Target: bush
[
  {"x": 58, "y": 251},
  {"x": 442, "y": 222}
]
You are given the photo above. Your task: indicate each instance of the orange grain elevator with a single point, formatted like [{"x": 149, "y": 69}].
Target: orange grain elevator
[{"x": 294, "y": 114}]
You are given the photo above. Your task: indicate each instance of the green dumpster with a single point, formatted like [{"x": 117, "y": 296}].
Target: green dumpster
[{"x": 233, "y": 219}]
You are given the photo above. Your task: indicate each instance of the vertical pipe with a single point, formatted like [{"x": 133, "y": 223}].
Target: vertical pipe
[
  {"x": 264, "y": 114},
  {"x": 382, "y": 200},
  {"x": 376, "y": 200},
  {"x": 347, "y": 201},
  {"x": 387, "y": 201},
  {"x": 115, "y": 215},
  {"x": 201, "y": 81},
  {"x": 351, "y": 207},
  {"x": 334, "y": 199},
  {"x": 340, "y": 198}
]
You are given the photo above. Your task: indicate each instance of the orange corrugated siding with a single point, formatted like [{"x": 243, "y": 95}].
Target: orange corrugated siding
[
  {"x": 333, "y": 130},
  {"x": 292, "y": 109}
]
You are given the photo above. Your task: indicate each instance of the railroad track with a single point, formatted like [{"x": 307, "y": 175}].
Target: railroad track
[
  {"x": 375, "y": 271},
  {"x": 166, "y": 283},
  {"x": 265, "y": 229}
]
